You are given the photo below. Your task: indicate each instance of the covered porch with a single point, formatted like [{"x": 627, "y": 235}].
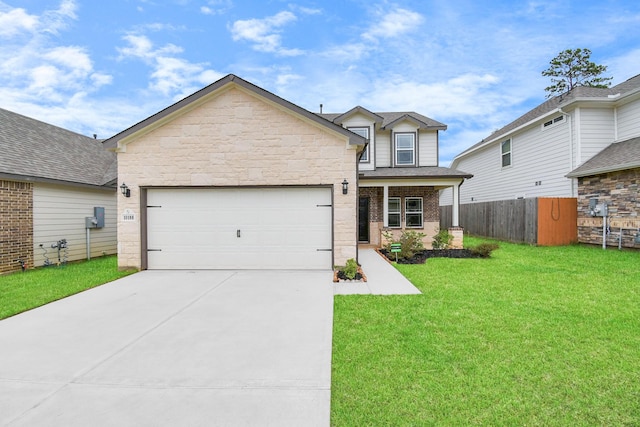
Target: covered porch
[{"x": 391, "y": 200}]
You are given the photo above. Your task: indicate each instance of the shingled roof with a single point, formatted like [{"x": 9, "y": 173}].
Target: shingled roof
[
  {"x": 389, "y": 118},
  {"x": 577, "y": 93},
  {"x": 36, "y": 151},
  {"x": 618, "y": 156}
]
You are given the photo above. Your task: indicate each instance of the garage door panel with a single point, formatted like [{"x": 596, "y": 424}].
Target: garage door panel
[{"x": 278, "y": 228}]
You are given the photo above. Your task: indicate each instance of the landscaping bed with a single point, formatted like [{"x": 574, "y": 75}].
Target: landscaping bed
[{"x": 483, "y": 250}]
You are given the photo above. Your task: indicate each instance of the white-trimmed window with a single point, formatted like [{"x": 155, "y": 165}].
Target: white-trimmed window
[
  {"x": 413, "y": 212},
  {"x": 363, "y": 132},
  {"x": 394, "y": 212},
  {"x": 405, "y": 149},
  {"x": 552, "y": 122},
  {"x": 505, "y": 149}
]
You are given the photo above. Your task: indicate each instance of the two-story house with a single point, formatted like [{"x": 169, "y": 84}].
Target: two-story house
[
  {"x": 399, "y": 174},
  {"x": 235, "y": 177},
  {"x": 534, "y": 155}
]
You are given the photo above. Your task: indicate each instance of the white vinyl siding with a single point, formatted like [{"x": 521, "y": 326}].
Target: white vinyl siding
[
  {"x": 59, "y": 212},
  {"x": 541, "y": 156},
  {"x": 383, "y": 149},
  {"x": 596, "y": 131},
  {"x": 428, "y": 148},
  {"x": 628, "y": 121}
]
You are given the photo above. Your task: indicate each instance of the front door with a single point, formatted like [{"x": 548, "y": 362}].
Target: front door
[{"x": 363, "y": 220}]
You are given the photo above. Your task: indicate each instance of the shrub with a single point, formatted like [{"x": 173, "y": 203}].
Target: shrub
[
  {"x": 442, "y": 240},
  {"x": 484, "y": 250},
  {"x": 410, "y": 243},
  {"x": 350, "y": 269}
]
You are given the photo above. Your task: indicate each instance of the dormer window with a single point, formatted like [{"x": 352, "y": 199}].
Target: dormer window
[
  {"x": 363, "y": 132},
  {"x": 405, "y": 149}
]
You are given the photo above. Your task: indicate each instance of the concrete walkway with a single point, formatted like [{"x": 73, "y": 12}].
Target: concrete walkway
[
  {"x": 174, "y": 348},
  {"x": 382, "y": 278}
]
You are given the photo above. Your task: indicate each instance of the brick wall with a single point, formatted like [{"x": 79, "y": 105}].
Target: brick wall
[
  {"x": 431, "y": 210},
  {"x": 16, "y": 225},
  {"x": 620, "y": 191}
]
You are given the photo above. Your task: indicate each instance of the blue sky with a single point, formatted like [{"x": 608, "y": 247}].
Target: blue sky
[{"x": 102, "y": 66}]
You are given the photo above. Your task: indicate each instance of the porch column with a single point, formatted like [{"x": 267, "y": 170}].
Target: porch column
[
  {"x": 385, "y": 206},
  {"x": 455, "y": 208}
]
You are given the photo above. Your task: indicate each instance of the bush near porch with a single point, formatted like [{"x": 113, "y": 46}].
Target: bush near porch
[{"x": 531, "y": 336}]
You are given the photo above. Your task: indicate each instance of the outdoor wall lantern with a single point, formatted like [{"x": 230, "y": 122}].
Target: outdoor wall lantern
[
  {"x": 345, "y": 186},
  {"x": 125, "y": 190}
]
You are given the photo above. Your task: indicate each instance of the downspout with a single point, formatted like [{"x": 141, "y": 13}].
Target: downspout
[{"x": 571, "y": 155}]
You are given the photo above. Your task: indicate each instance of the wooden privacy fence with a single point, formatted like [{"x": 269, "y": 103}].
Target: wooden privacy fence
[{"x": 545, "y": 221}]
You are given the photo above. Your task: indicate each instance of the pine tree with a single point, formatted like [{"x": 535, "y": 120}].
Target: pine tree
[{"x": 571, "y": 68}]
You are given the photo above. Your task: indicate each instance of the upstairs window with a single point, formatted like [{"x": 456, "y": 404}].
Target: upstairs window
[
  {"x": 505, "y": 149},
  {"x": 363, "y": 132},
  {"x": 552, "y": 121},
  {"x": 413, "y": 212},
  {"x": 394, "y": 212},
  {"x": 405, "y": 149}
]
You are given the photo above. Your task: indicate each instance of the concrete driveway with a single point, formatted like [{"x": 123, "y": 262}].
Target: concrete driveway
[{"x": 186, "y": 348}]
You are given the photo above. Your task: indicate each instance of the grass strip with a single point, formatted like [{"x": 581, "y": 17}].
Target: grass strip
[{"x": 33, "y": 288}]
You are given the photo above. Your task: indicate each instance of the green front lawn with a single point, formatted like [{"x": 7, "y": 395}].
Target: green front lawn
[
  {"x": 23, "y": 291},
  {"x": 532, "y": 336}
]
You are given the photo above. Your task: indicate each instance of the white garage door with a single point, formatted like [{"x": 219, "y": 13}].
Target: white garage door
[{"x": 256, "y": 228}]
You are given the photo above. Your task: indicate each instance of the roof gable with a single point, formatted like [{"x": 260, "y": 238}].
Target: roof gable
[
  {"x": 34, "y": 150},
  {"x": 213, "y": 89},
  {"x": 358, "y": 110}
]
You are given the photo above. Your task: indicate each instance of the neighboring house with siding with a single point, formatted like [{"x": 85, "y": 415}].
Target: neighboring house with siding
[
  {"x": 50, "y": 181},
  {"x": 235, "y": 177},
  {"x": 533, "y": 155}
]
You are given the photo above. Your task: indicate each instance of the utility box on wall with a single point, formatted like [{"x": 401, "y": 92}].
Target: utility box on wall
[
  {"x": 98, "y": 213},
  {"x": 597, "y": 209},
  {"x": 97, "y": 220}
]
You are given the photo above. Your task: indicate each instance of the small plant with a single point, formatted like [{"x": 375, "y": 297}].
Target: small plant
[
  {"x": 410, "y": 243},
  {"x": 388, "y": 237},
  {"x": 484, "y": 249},
  {"x": 350, "y": 269},
  {"x": 442, "y": 240}
]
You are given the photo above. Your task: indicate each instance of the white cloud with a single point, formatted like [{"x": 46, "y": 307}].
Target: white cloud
[
  {"x": 34, "y": 66},
  {"x": 16, "y": 21},
  {"x": 170, "y": 75},
  {"x": 216, "y": 7},
  {"x": 264, "y": 33},
  {"x": 393, "y": 23}
]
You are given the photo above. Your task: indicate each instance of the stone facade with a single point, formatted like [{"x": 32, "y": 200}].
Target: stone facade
[
  {"x": 16, "y": 227},
  {"x": 619, "y": 190},
  {"x": 236, "y": 138}
]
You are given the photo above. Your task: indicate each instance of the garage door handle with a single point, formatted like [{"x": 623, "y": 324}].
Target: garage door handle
[{"x": 238, "y": 233}]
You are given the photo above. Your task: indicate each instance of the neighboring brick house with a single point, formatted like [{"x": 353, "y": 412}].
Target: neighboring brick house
[
  {"x": 50, "y": 180},
  {"x": 610, "y": 178},
  {"x": 234, "y": 176}
]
